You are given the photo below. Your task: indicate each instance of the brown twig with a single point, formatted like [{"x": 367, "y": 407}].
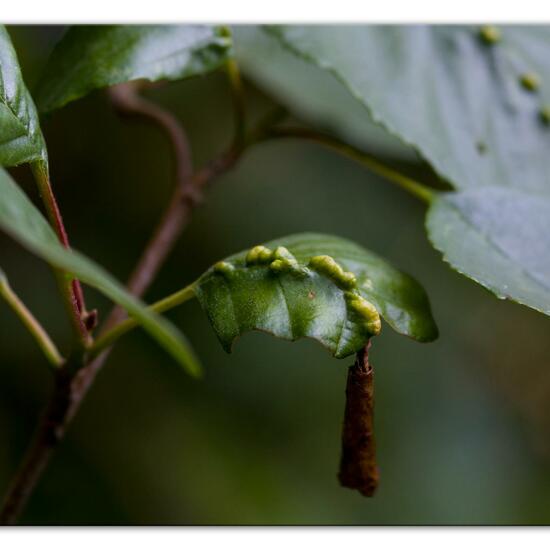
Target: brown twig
[
  {"x": 49, "y": 433},
  {"x": 358, "y": 468},
  {"x": 126, "y": 99}
]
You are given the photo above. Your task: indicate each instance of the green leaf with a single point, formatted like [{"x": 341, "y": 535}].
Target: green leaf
[
  {"x": 498, "y": 237},
  {"x": 21, "y": 139},
  {"x": 476, "y": 106},
  {"x": 310, "y": 93},
  {"x": 20, "y": 219},
  {"x": 458, "y": 100},
  {"x": 95, "y": 56},
  {"x": 312, "y": 285}
]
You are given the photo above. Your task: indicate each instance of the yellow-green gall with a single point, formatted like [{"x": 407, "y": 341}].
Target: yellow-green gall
[
  {"x": 348, "y": 280},
  {"x": 490, "y": 34},
  {"x": 224, "y": 31},
  {"x": 259, "y": 255},
  {"x": 366, "y": 311},
  {"x": 224, "y": 268},
  {"x": 545, "y": 114},
  {"x": 286, "y": 265},
  {"x": 282, "y": 253},
  {"x": 326, "y": 265},
  {"x": 279, "y": 266},
  {"x": 530, "y": 81}
]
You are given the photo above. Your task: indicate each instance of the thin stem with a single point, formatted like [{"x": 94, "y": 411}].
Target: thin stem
[
  {"x": 31, "y": 323},
  {"x": 71, "y": 290},
  {"x": 415, "y": 188},
  {"x": 170, "y": 302},
  {"x": 239, "y": 105},
  {"x": 126, "y": 99}
]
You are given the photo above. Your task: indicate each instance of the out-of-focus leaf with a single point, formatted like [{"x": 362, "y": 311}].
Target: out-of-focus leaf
[
  {"x": 458, "y": 100},
  {"x": 20, "y": 219},
  {"x": 95, "y": 56},
  {"x": 21, "y": 139},
  {"x": 292, "y": 289},
  {"x": 310, "y": 93},
  {"x": 498, "y": 237}
]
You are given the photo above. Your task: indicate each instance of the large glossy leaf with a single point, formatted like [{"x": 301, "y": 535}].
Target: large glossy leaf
[
  {"x": 312, "y": 285},
  {"x": 90, "y": 57},
  {"x": 493, "y": 235},
  {"x": 20, "y": 135},
  {"x": 311, "y": 93},
  {"x": 475, "y": 109},
  {"x": 20, "y": 219}
]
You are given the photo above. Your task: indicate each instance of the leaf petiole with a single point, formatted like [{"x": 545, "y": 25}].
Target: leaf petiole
[
  {"x": 237, "y": 92},
  {"x": 70, "y": 288},
  {"x": 31, "y": 323},
  {"x": 173, "y": 300},
  {"x": 415, "y": 188}
]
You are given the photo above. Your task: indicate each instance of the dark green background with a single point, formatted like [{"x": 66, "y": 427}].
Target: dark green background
[{"x": 462, "y": 424}]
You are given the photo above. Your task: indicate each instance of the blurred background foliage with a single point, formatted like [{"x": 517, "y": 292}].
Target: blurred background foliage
[{"x": 462, "y": 424}]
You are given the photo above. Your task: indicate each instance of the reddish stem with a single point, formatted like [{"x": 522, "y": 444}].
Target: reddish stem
[{"x": 70, "y": 289}]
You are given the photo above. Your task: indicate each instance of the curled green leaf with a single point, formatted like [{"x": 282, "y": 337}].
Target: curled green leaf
[{"x": 313, "y": 285}]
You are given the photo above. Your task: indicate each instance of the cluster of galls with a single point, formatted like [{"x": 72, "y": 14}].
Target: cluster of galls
[
  {"x": 347, "y": 281},
  {"x": 281, "y": 260}
]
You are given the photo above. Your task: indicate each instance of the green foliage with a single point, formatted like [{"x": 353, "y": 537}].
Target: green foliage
[
  {"x": 397, "y": 87},
  {"x": 91, "y": 57},
  {"x": 311, "y": 93},
  {"x": 493, "y": 234},
  {"x": 312, "y": 285},
  {"x": 472, "y": 109},
  {"x": 472, "y": 101},
  {"x": 20, "y": 219},
  {"x": 437, "y": 88},
  {"x": 20, "y": 135}
]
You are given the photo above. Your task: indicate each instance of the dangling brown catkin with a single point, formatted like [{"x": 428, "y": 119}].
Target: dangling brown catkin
[{"x": 358, "y": 468}]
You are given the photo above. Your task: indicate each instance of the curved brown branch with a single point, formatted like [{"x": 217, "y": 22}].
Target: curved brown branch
[
  {"x": 126, "y": 100},
  {"x": 49, "y": 433}
]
